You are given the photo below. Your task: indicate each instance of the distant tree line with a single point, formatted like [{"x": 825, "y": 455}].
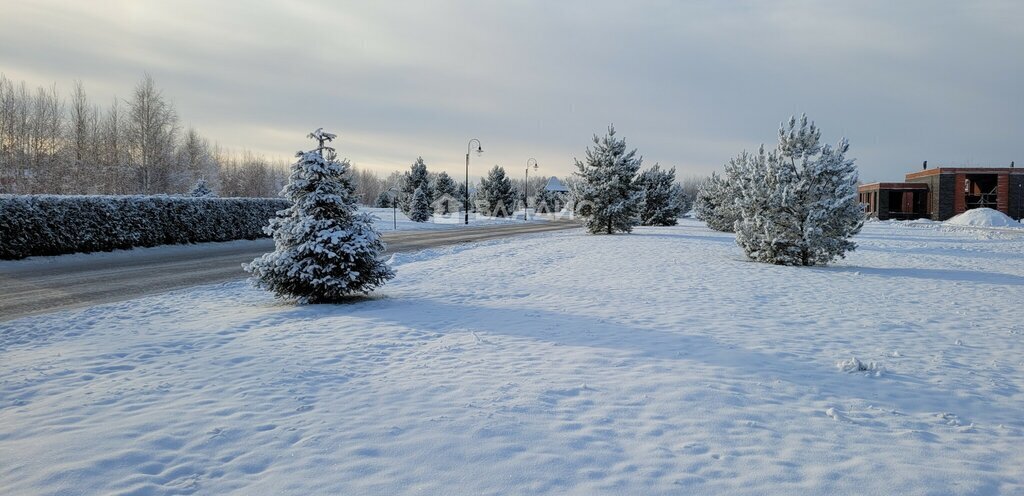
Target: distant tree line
[
  {"x": 69, "y": 144},
  {"x": 54, "y": 143}
]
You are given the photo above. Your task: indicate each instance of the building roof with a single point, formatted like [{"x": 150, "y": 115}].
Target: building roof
[
  {"x": 890, "y": 186},
  {"x": 555, "y": 185},
  {"x": 964, "y": 170}
]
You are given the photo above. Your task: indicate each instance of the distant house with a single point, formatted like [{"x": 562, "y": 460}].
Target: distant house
[
  {"x": 555, "y": 186},
  {"x": 943, "y": 192},
  {"x": 446, "y": 205},
  {"x": 556, "y": 195}
]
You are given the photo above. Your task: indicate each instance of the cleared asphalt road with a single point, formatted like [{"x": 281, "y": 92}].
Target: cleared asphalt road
[{"x": 29, "y": 287}]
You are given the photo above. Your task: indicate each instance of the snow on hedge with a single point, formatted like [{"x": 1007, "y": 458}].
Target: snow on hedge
[
  {"x": 983, "y": 217},
  {"x": 40, "y": 225}
]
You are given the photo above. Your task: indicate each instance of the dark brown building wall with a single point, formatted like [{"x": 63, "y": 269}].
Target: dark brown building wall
[
  {"x": 959, "y": 199},
  {"x": 1003, "y": 193}
]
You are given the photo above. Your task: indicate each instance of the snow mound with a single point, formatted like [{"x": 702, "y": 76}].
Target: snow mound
[
  {"x": 984, "y": 217},
  {"x": 855, "y": 365}
]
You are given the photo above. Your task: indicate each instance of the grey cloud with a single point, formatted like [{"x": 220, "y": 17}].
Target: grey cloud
[{"x": 688, "y": 83}]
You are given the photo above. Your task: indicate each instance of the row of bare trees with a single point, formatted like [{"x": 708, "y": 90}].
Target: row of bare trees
[{"x": 73, "y": 145}]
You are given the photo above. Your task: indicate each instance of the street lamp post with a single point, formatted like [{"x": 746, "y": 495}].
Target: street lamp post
[
  {"x": 526, "y": 189},
  {"x": 394, "y": 206},
  {"x": 469, "y": 147}
]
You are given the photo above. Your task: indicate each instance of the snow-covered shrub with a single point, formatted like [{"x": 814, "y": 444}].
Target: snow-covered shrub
[
  {"x": 45, "y": 225},
  {"x": 798, "y": 203},
  {"x": 607, "y": 195},
  {"x": 419, "y": 208},
  {"x": 659, "y": 200},
  {"x": 325, "y": 249},
  {"x": 496, "y": 193},
  {"x": 201, "y": 190}
]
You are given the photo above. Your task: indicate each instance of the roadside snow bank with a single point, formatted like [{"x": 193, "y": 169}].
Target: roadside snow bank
[{"x": 983, "y": 217}]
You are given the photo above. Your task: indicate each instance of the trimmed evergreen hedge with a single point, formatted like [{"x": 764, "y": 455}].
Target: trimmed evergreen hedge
[{"x": 40, "y": 225}]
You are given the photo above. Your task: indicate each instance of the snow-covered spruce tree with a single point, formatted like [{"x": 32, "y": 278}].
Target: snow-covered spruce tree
[
  {"x": 497, "y": 193},
  {"x": 446, "y": 192},
  {"x": 799, "y": 202},
  {"x": 416, "y": 177},
  {"x": 201, "y": 190},
  {"x": 606, "y": 195},
  {"x": 325, "y": 250},
  {"x": 384, "y": 200},
  {"x": 419, "y": 208},
  {"x": 683, "y": 201},
  {"x": 659, "y": 202},
  {"x": 716, "y": 202}
]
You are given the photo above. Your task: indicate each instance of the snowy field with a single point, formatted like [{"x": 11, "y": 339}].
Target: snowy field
[{"x": 659, "y": 362}]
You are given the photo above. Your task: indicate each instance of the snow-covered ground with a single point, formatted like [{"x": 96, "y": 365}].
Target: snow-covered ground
[
  {"x": 388, "y": 219},
  {"x": 660, "y": 362}
]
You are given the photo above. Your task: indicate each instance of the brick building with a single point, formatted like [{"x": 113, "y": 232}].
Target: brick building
[{"x": 943, "y": 192}]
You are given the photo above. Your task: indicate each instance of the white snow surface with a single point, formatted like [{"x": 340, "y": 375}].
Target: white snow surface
[
  {"x": 983, "y": 217},
  {"x": 660, "y": 362},
  {"x": 387, "y": 218}
]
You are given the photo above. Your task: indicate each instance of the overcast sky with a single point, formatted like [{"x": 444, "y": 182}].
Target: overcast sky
[{"x": 689, "y": 84}]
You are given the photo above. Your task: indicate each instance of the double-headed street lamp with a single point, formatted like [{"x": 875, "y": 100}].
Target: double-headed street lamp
[
  {"x": 526, "y": 189},
  {"x": 479, "y": 150}
]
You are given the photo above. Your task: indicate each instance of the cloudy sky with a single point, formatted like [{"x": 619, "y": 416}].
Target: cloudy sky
[{"x": 689, "y": 84}]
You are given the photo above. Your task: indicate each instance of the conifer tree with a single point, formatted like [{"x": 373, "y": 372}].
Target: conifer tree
[
  {"x": 547, "y": 201},
  {"x": 446, "y": 193},
  {"x": 325, "y": 249},
  {"x": 384, "y": 200},
  {"x": 496, "y": 193},
  {"x": 716, "y": 200},
  {"x": 607, "y": 197},
  {"x": 201, "y": 190},
  {"x": 416, "y": 177},
  {"x": 799, "y": 202},
  {"x": 659, "y": 202},
  {"x": 419, "y": 210}
]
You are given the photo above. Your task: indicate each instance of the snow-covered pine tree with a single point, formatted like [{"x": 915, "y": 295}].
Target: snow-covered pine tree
[
  {"x": 716, "y": 201},
  {"x": 659, "y": 202},
  {"x": 419, "y": 209},
  {"x": 799, "y": 202},
  {"x": 606, "y": 195},
  {"x": 683, "y": 201},
  {"x": 201, "y": 190},
  {"x": 446, "y": 192},
  {"x": 496, "y": 193},
  {"x": 325, "y": 249},
  {"x": 545, "y": 201},
  {"x": 384, "y": 200},
  {"x": 416, "y": 177}
]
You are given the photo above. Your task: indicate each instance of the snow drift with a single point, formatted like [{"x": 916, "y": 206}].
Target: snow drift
[{"x": 984, "y": 217}]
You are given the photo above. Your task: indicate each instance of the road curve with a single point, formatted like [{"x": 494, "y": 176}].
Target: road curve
[{"x": 31, "y": 288}]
